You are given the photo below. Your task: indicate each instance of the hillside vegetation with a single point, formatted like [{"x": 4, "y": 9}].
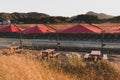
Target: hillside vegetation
[
  {"x": 100, "y": 15},
  {"x": 34, "y": 17}
]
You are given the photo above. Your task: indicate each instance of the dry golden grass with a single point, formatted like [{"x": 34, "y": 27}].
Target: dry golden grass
[
  {"x": 14, "y": 67},
  {"x": 109, "y": 27},
  {"x": 77, "y": 68},
  {"x": 61, "y": 26},
  {"x": 28, "y": 66}
]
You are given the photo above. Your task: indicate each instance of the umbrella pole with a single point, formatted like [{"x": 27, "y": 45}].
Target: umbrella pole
[
  {"x": 20, "y": 35},
  {"x": 102, "y": 31},
  {"x": 57, "y": 36},
  {"x": 102, "y": 43},
  {"x": 20, "y": 39},
  {"x": 58, "y": 44}
]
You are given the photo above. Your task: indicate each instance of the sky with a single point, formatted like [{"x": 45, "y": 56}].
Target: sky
[{"x": 61, "y": 7}]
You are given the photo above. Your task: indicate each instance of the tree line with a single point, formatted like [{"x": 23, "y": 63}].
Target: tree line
[{"x": 33, "y": 17}]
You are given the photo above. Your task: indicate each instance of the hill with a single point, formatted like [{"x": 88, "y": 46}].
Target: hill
[
  {"x": 99, "y": 15},
  {"x": 38, "y": 18},
  {"x": 15, "y": 16},
  {"x": 114, "y": 19}
]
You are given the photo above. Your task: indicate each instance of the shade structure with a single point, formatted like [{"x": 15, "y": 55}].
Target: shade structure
[
  {"x": 10, "y": 28},
  {"x": 21, "y": 29},
  {"x": 116, "y": 31},
  {"x": 38, "y": 29},
  {"x": 82, "y": 29}
]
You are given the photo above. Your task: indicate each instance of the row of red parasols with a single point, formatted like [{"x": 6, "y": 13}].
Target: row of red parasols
[{"x": 42, "y": 29}]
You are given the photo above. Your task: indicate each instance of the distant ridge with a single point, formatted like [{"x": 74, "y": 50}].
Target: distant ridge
[
  {"x": 99, "y": 15},
  {"x": 16, "y": 15},
  {"x": 35, "y": 17}
]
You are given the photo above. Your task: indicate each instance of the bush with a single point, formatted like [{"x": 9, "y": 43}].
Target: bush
[{"x": 76, "y": 67}]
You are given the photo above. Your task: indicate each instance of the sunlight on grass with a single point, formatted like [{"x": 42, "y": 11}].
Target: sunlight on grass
[{"x": 27, "y": 66}]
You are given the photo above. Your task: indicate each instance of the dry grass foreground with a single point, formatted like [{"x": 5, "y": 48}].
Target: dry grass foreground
[
  {"x": 27, "y": 66},
  {"x": 16, "y": 68}
]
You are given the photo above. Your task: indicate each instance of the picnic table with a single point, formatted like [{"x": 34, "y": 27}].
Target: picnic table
[
  {"x": 93, "y": 56},
  {"x": 14, "y": 49},
  {"x": 47, "y": 53}
]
